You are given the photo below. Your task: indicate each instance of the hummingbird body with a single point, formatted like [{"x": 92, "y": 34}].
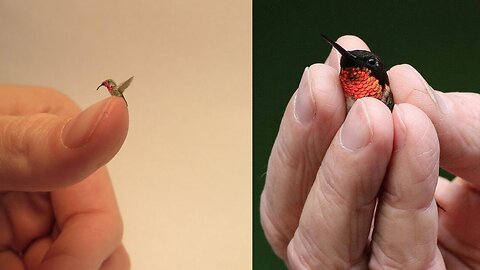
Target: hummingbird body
[
  {"x": 362, "y": 74},
  {"x": 115, "y": 90}
]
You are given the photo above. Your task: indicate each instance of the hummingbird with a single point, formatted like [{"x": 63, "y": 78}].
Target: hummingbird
[
  {"x": 114, "y": 90},
  {"x": 362, "y": 74}
]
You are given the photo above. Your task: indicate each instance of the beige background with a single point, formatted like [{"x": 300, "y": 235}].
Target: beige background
[{"x": 183, "y": 176}]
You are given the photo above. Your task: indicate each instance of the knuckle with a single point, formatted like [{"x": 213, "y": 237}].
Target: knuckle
[
  {"x": 304, "y": 252},
  {"x": 426, "y": 157},
  {"x": 426, "y": 165},
  {"x": 328, "y": 184},
  {"x": 21, "y": 135},
  {"x": 55, "y": 102},
  {"x": 283, "y": 153}
]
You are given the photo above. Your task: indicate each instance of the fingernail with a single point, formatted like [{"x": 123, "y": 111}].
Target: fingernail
[
  {"x": 400, "y": 128},
  {"x": 434, "y": 95},
  {"x": 304, "y": 104},
  {"x": 78, "y": 130},
  {"x": 356, "y": 130}
]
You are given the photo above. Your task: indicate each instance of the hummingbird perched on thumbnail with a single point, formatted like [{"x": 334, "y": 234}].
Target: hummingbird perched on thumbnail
[
  {"x": 362, "y": 74},
  {"x": 116, "y": 90}
]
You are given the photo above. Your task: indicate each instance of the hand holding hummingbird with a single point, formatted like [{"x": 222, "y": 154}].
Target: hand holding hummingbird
[
  {"x": 57, "y": 205},
  {"x": 359, "y": 191}
]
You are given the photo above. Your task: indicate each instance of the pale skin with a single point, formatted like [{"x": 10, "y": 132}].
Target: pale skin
[
  {"x": 326, "y": 174},
  {"x": 57, "y": 206}
]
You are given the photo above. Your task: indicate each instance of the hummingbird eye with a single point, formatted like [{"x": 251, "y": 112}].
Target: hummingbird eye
[{"x": 372, "y": 61}]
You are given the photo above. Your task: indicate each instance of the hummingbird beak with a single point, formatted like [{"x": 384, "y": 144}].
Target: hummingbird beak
[
  {"x": 103, "y": 84},
  {"x": 339, "y": 48}
]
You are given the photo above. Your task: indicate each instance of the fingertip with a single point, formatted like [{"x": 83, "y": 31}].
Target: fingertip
[
  {"x": 319, "y": 97},
  {"x": 112, "y": 131},
  {"x": 409, "y": 86},
  {"x": 415, "y": 121},
  {"x": 415, "y": 160},
  {"x": 349, "y": 42},
  {"x": 417, "y": 126},
  {"x": 79, "y": 130},
  {"x": 368, "y": 128},
  {"x": 105, "y": 140},
  {"x": 380, "y": 118},
  {"x": 403, "y": 76},
  {"x": 453, "y": 115},
  {"x": 357, "y": 130},
  {"x": 327, "y": 92}
]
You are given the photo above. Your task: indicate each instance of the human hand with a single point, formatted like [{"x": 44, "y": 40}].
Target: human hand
[
  {"x": 57, "y": 205},
  {"x": 324, "y": 177}
]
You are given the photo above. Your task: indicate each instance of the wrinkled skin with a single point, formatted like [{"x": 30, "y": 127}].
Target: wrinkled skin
[
  {"x": 331, "y": 176},
  {"x": 57, "y": 205}
]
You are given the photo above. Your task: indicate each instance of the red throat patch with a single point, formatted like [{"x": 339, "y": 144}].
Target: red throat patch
[{"x": 358, "y": 83}]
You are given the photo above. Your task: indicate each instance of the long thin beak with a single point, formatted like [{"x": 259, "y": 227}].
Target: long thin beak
[
  {"x": 339, "y": 48},
  {"x": 100, "y": 86}
]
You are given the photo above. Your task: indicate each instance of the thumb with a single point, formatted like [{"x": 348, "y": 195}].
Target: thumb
[{"x": 42, "y": 152}]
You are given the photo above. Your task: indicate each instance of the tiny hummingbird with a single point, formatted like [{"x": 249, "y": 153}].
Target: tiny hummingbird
[
  {"x": 114, "y": 90},
  {"x": 362, "y": 74}
]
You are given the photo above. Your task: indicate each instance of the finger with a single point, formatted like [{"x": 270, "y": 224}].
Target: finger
[
  {"x": 335, "y": 222},
  {"x": 11, "y": 261},
  {"x": 36, "y": 252},
  {"x": 117, "y": 261},
  {"x": 26, "y": 100},
  {"x": 24, "y": 216},
  {"x": 458, "y": 234},
  {"x": 405, "y": 231},
  {"x": 349, "y": 43},
  {"x": 89, "y": 223},
  {"x": 42, "y": 152},
  {"x": 454, "y": 115},
  {"x": 311, "y": 119}
]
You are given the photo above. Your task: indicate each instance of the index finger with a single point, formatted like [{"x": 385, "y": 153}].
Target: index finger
[{"x": 454, "y": 115}]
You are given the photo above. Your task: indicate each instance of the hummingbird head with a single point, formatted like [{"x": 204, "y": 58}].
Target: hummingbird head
[
  {"x": 362, "y": 74},
  {"x": 361, "y": 59},
  {"x": 109, "y": 84}
]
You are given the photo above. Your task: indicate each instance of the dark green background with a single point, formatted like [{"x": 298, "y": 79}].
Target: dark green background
[{"x": 441, "y": 39}]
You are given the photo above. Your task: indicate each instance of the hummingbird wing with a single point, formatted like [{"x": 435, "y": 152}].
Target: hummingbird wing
[{"x": 124, "y": 85}]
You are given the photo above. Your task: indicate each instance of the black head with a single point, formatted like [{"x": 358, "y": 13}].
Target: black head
[{"x": 361, "y": 58}]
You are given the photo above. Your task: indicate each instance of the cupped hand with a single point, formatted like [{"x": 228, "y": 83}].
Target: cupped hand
[
  {"x": 359, "y": 191},
  {"x": 57, "y": 205}
]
